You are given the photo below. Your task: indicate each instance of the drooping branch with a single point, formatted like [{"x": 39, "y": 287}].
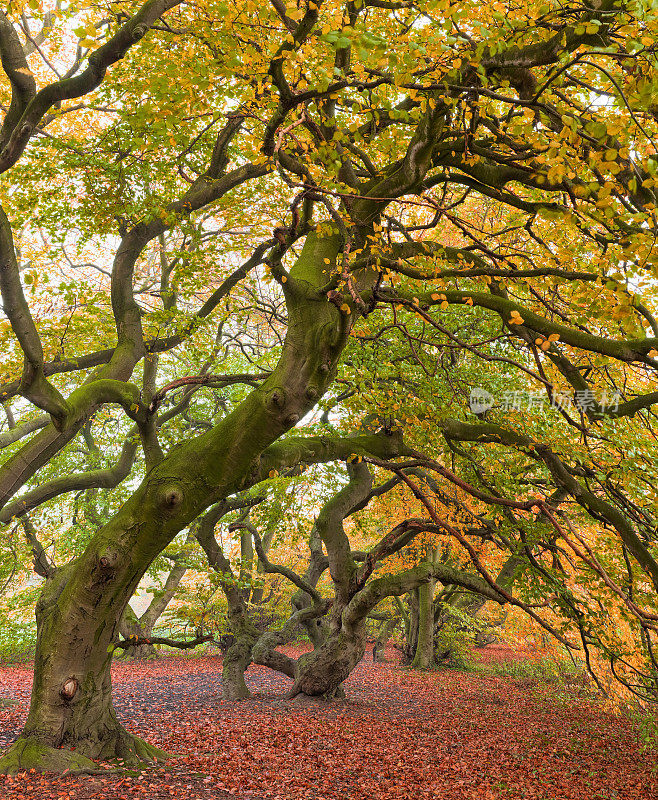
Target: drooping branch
[
  {"x": 628, "y": 350},
  {"x": 597, "y": 507},
  {"x": 443, "y": 526}
]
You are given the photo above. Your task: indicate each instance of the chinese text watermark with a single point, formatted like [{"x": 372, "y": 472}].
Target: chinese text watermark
[{"x": 480, "y": 401}]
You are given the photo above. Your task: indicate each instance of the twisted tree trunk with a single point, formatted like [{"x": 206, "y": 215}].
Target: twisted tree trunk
[{"x": 81, "y": 606}]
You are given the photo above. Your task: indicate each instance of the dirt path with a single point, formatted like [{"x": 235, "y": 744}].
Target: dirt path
[{"x": 442, "y": 735}]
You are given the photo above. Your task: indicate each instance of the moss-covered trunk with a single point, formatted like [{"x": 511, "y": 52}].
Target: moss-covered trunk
[
  {"x": 321, "y": 672},
  {"x": 71, "y": 718},
  {"x": 424, "y": 654},
  {"x": 81, "y": 606}
]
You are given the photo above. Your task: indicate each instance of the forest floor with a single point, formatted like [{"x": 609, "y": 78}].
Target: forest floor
[{"x": 398, "y": 735}]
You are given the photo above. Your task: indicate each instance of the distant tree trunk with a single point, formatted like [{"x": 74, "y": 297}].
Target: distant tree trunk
[
  {"x": 142, "y": 627},
  {"x": 130, "y": 627},
  {"x": 235, "y": 663},
  {"x": 245, "y": 634},
  {"x": 321, "y": 672},
  {"x": 382, "y": 638},
  {"x": 424, "y": 653},
  {"x": 315, "y": 627},
  {"x": 412, "y": 635}
]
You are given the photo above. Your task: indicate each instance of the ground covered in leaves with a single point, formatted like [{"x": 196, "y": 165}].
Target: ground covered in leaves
[{"x": 399, "y": 734}]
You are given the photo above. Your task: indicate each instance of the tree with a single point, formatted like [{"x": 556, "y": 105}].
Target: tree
[{"x": 468, "y": 184}]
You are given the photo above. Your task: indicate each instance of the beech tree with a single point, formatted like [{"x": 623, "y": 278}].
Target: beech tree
[{"x": 414, "y": 198}]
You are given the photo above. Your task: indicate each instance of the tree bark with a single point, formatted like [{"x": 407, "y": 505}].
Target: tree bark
[
  {"x": 424, "y": 654},
  {"x": 412, "y": 634},
  {"x": 321, "y": 672},
  {"x": 79, "y": 619},
  {"x": 71, "y": 704},
  {"x": 235, "y": 664},
  {"x": 131, "y": 627}
]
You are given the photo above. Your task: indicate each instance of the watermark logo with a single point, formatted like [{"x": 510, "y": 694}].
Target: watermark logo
[{"x": 480, "y": 400}]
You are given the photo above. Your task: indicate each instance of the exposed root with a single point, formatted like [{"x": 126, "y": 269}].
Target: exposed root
[
  {"x": 27, "y": 754},
  {"x": 124, "y": 749},
  {"x": 132, "y": 751}
]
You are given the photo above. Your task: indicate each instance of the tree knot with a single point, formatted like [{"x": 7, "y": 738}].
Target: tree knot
[
  {"x": 69, "y": 688},
  {"x": 172, "y": 497},
  {"x": 139, "y": 32},
  {"x": 107, "y": 560},
  {"x": 277, "y": 398}
]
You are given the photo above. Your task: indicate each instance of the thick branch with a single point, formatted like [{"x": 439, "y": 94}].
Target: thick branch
[
  {"x": 137, "y": 641},
  {"x": 96, "y": 478}
]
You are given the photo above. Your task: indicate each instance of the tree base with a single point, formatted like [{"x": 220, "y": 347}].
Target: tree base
[{"x": 29, "y": 753}]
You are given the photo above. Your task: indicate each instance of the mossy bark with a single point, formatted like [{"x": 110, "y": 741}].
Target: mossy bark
[
  {"x": 321, "y": 672},
  {"x": 82, "y": 604},
  {"x": 424, "y": 654},
  {"x": 71, "y": 721}
]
